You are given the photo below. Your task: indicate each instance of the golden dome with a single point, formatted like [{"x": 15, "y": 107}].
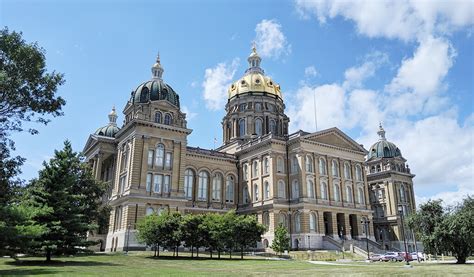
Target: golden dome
[
  {"x": 254, "y": 82},
  {"x": 254, "y": 79}
]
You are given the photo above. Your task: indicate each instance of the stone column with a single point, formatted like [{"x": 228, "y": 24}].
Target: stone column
[
  {"x": 334, "y": 225},
  {"x": 98, "y": 168},
  {"x": 347, "y": 227}
]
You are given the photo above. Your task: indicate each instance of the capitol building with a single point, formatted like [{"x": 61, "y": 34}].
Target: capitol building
[{"x": 326, "y": 188}]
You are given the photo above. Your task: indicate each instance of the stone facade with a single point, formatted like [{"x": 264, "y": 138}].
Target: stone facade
[{"x": 313, "y": 183}]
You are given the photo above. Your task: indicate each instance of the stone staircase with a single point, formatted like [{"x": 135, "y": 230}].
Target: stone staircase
[{"x": 355, "y": 246}]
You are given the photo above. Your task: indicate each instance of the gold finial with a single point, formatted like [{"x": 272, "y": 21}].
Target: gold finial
[
  {"x": 254, "y": 47},
  {"x": 158, "y": 57}
]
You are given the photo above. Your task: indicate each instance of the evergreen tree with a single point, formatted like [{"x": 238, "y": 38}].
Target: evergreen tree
[
  {"x": 67, "y": 187},
  {"x": 281, "y": 241}
]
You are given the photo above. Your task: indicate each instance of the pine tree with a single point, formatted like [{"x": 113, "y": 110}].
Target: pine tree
[
  {"x": 281, "y": 242},
  {"x": 67, "y": 187}
]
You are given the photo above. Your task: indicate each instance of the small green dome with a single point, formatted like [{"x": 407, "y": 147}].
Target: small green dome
[
  {"x": 110, "y": 129},
  {"x": 383, "y": 148},
  {"x": 153, "y": 90}
]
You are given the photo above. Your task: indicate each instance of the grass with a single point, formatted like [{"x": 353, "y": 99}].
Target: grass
[{"x": 141, "y": 264}]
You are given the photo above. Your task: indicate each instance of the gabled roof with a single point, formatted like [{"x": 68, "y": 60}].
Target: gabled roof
[{"x": 334, "y": 136}]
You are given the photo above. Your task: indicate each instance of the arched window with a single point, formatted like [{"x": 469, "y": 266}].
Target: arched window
[
  {"x": 295, "y": 190},
  {"x": 337, "y": 192},
  {"x": 267, "y": 190},
  {"x": 280, "y": 165},
  {"x": 255, "y": 192},
  {"x": 297, "y": 223},
  {"x": 281, "y": 189},
  {"x": 188, "y": 183},
  {"x": 161, "y": 211},
  {"x": 294, "y": 164},
  {"x": 245, "y": 172},
  {"x": 242, "y": 127},
  {"x": 124, "y": 159},
  {"x": 322, "y": 166},
  {"x": 324, "y": 190},
  {"x": 335, "y": 168},
  {"x": 358, "y": 173},
  {"x": 217, "y": 187},
  {"x": 349, "y": 194},
  {"x": 360, "y": 194},
  {"x": 168, "y": 119},
  {"x": 310, "y": 188},
  {"x": 312, "y": 222},
  {"x": 258, "y": 127},
  {"x": 203, "y": 184},
  {"x": 273, "y": 127},
  {"x": 347, "y": 171},
  {"x": 266, "y": 165},
  {"x": 254, "y": 169},
  {"x": 309, "y": 164},
  {"x": 266, "y": 219},
  {"x": 246, "y": 195},
  {"x": 229, "y": 190},
  {"x": 158, "y": 117},
  {"x": 149, "y": 211},
  {"x": 258, "y": 107},
  {"x": 160, "y": 155},
  {"x": 282, "y": 219}
]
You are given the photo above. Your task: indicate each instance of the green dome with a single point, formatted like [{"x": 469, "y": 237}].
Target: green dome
[
  {"x": 153, "y": 90},
  {"x": 107, "y": 131},
  {"x": 383, "y": 148}
]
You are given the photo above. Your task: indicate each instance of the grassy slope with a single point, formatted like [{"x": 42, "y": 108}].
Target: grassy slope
[{"x": 140, "y": 264}]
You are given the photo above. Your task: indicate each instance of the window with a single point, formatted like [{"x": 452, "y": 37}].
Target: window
[
  {"x": 242, "y": 127},
  {"x": 297, "y": 223},
  {"x": 160, "y": 154},
  {"x": 151, "y": 153},
  {"x": 168, "y": 160},
  {"x": 245, "y": 172},
  {"x": 122, "y": 182},
  {"x": 188, "y": 183},
  {"x": 282, "y": 219},
  {"x": 229, "y": 190},
  {"x": 322, "y": 166},
  {"x": 337, "y": 192},
  {"x": 280, "y": 165},
  {"x": 267, "y": 190},
  {"x": 310, "y": 188},
  {"x": 335, "y": 168},
  {"x": 255, "y": 192},
  {"x": 347, "y": 171},
  {"x": 266, "y": 165},
  {"x": 349, "y": 194},
  {"x": 203, "y": 183},
  {"x": 295, "y": 190},
  {"x": 242, "y": 107},
  {"x": 266, "y": 219},
  {"x": 324, "y": 190},
  {"x": 258, "y": 107},
  {"x": 161, "y": 211},
  {"x": 217, "y": 187},
  {"x": 168, "y": 119},
  {"x": 309, "y": 164},
  {"x": 124, "y": 159},
  {"x": 158, "y": 117},
  {"x": 312, "y": 222},
  {"x": 166, "y": 184},
  {"x": 358, "y": 173},
  {"x": 246, "y": 195},
  {"x": 402, "y": 193},
  {"x": 255, "y": 169},
  {"x": 258, "y": 127},
  {"x": 157, "y": 181},
  {"x": 360, "y": 195},
  {"x": 294, "y": 164},
  {"x": 273, "y": 127},
  {"x": 149, "y": 176},
  {"x": 281, "y": 189},
  {"x": 149, "y": 211}
]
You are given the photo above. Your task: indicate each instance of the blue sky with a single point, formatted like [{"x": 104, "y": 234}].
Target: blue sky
[{"x": 409, "y": 64}]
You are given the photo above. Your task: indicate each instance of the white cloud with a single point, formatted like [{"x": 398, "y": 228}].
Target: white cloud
[
  {"x": 270, "y": 39},
  {"x": 357, "y": 74},
  {"x": 216, "y": 83},
  {"x": 402, "y": 19},
  {"x": 310, "y": 72},
  {"x": 189, "y": 114}
]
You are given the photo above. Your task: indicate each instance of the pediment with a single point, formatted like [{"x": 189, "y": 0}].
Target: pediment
[
  {"x": 91, "y": 141},
  {"x": 335, "y": 137}
]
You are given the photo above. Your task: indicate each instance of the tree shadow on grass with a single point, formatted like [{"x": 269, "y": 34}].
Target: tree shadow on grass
[
  {"x": 54, "y": 263},
  {"x": 187, "y": 258},
  {"x": 33, "y": 271}
]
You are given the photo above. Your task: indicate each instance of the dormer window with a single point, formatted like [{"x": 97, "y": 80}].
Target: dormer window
[
  {"x": 168, "y": 119},
  {"x": 157, "y": 117}
]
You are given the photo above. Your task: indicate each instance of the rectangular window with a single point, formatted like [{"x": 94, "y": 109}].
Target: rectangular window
[
  {"x": 157, "y": 183},
  {"x": 168, "y": 161},
  {"x": 166, "y": 187},
  {"x": 122, "y": 182},
  {"x": 149, "y": 178},
  {"x": 150, "y": 157}
]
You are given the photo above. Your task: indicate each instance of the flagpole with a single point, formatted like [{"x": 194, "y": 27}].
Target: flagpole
[{"x": 315, "y": 113}]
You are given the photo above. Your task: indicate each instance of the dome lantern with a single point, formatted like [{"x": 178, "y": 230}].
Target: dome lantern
[
  {"x": 157, "y": 70},
  {"x": 381, "y": 132},
  {"x": 383, "y": 148},
  {"x": 254, "y": 61},
  {"x": 113, "y": 117}
]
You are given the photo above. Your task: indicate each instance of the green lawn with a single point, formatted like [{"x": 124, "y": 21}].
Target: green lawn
[{"x": 140, "y": 264}]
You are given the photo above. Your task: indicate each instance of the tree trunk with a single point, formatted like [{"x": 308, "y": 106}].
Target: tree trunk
[
  {"x": 192, "y": 251},
  {"x": 177, "y": 249},
  {"x": 211, "y": 252},
  {"x": 48, "y": 255},
  {"x": 230, "y": 253},
  {"x": 197, "y": 251},
  {"x": 219, "y": 254},
  {"x": 158, "y": 247},
  {"x": 242, "y": 253},
  {"x": 461, "y": 260},
  {"x": 154, "y": 254}
]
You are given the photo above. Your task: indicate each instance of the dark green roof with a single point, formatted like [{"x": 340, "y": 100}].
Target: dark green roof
[
  {"x": 384, "y": 149},
  {"x": 153, "y": 90},
  {"x": 107, "y": 131}
]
